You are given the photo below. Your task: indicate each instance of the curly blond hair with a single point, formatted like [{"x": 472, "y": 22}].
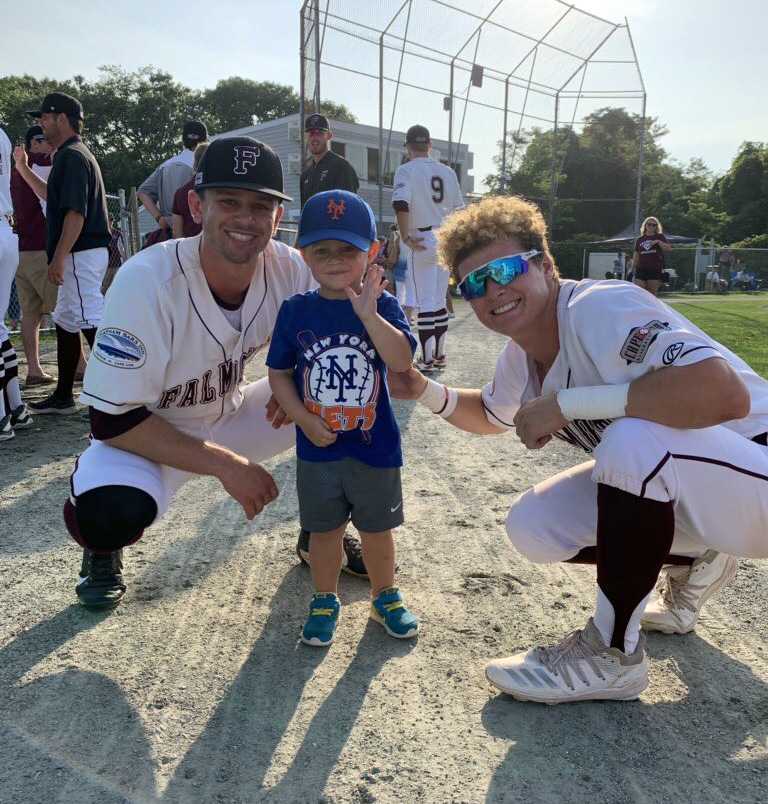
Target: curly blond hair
[{"x": 494, "y": 218}]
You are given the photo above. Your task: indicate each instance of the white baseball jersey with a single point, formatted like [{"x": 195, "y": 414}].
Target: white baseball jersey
[
  {"x": 430, "y": 189},
  {"x": 165, "y": 343},
  {"x": 612, "y": 333}
]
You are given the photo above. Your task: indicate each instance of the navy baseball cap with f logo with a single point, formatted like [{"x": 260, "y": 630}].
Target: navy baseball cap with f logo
[
  {"x": 337, "y": 215},
  {"x": 241, "y": 163}
]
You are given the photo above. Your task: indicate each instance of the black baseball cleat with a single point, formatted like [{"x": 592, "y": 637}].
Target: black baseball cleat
[
  {"x": 352, "y": 563},
  {"x": 101, "y": 579},
  {"x": 54, "y": 404},
  {"x": 6, "y": 432}
]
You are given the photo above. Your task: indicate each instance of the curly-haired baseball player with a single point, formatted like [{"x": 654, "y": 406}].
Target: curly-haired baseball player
[
  {"x": 669, "y": 413},
  {"x": 328, "y": 365}
]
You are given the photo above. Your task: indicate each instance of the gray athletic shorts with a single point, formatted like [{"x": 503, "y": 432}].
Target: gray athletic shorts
[{"x": 333, "y": 492}]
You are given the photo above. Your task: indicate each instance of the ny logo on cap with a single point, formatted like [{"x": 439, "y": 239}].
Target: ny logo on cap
[
  {"x": 336, "y": 210},
  {"x": 245, "y": 156}
]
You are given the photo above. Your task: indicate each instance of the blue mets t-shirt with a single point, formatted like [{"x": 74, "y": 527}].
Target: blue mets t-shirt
[{"x": 340, "y": 376}]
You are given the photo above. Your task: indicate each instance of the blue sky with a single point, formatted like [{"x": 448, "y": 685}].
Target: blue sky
[{"x": 704, "y": 61}]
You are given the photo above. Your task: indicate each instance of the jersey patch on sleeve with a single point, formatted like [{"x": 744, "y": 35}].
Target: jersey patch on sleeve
[
  {"x": 119, "y": 349},
  {"x": 639, "y": 341}
]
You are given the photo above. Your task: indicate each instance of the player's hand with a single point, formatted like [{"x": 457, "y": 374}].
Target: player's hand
[
  {"x": 248, "y": 483},
  {"x": 20, "y": 158},
  {"x": 163, "y": 222},
  {"x": 415, "y": 243},
  {"x": 537, "y": 420},
  {"x": 364, "y": 303},
  {"x": 56, "y": 271},
  {"x": 276, "y": 414},
  {"x": 317, "y": 431},
  {"x": 406, "y": 384}
]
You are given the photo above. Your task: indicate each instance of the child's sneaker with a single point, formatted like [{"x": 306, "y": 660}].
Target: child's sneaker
[
  {"x": 389, "y": 610},
  {"x": 321, "y": 623}
]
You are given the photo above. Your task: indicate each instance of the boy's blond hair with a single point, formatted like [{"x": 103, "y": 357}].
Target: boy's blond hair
[{"x": 494, "y": 218}]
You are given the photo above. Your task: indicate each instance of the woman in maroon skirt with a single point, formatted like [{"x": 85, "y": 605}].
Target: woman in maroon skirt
[{"x": 648, "y": 259}]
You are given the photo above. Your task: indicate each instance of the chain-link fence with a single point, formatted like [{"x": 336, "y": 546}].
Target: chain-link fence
[
  {"x": 694, "y": 268},
  {"x": 123, "y": 216}
]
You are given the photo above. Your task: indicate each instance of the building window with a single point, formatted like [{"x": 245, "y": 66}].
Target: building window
[
  {"x": 395, "y": 160},
  {"x": 339, "y": 148},
  {"x": 373, "y": 164}
]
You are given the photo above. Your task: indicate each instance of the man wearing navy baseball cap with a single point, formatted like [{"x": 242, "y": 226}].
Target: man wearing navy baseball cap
[
  {"x": 328, "y": 360},
  {"x": 326, "y": 170}
]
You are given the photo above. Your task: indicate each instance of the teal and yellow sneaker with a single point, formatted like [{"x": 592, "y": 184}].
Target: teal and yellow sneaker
[
  {"x": 323, "y": 618},
  {"x": 389, "y": 610}
]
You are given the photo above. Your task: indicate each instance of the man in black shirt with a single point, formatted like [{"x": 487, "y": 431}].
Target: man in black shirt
[
  {"x": 327, "y": 171},
  {"x": 78, "y": 234}
]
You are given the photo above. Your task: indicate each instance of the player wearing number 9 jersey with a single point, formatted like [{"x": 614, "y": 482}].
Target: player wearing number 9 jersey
[{"x": 425, "y": 192}]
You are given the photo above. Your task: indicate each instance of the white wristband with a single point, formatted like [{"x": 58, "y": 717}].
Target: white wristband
[
  {"x": 439, "y": 399},
  {"x": 596, "y": 402}
]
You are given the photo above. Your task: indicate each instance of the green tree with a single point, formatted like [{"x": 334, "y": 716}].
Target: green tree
[{"x": 133, "y": 119}]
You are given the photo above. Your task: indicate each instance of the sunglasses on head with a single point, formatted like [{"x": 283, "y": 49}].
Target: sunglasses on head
[{"x": 503, "y": 271}]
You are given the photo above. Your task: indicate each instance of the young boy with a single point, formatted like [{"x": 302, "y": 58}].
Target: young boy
[{"x": 328, "y": 364}]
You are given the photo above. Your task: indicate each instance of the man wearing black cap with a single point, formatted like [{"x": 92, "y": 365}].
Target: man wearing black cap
[
  {"x": 165, "y": 384},
  {"x": 37, "y": 294},
  {"x": 78, "y": 234},
  {"x": 327, "y": 170},
  {"x": 157, "y": 191},
  {"x": 425, "y": 192}
]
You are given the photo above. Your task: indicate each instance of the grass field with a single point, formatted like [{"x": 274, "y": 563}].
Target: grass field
[{"x": 738, "y": 321}]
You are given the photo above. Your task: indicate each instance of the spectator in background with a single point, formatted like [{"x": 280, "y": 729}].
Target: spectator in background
[
  {"x": 184, "y": 225},
  {"x": 37, "y": 295},
  {"x": 327, "y": 170},
  {"x": 158, "y": 190},
  {"x": 648, "y": 258}
]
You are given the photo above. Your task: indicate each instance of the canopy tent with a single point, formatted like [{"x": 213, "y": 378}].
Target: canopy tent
[{"x": 628, "y": 235}]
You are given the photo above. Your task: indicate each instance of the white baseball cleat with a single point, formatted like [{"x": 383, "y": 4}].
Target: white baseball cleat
[
  {"x": 580, "y": 668},
  {"x": 682, "y": 591}
]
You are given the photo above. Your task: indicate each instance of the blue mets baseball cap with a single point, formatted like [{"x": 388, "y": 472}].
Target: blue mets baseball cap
[{"x": 337, "y": 215}]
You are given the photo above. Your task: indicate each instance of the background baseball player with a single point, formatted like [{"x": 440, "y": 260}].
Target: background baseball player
[
  {"x": 425, "y": 192},
  {"x": 669, "y": 413},
  {"x": 78, "y": 235},
  {"x": 13, "y": 414}
]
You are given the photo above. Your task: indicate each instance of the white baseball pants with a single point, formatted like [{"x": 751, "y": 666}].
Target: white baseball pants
[
  {"x": 9, "y": 262},
  {"x": 246, "y": 432},
  {"x": 80, "y": 303},
  {"x": 717, "y": 480}
]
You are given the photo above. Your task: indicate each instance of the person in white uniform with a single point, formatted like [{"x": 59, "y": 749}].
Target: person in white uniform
[
  {"x": 165, "y": 385},
  {"x": 13, "y": 413},
  {"x": 425, "y": 192},
  {"x": 669, "y": 413}
]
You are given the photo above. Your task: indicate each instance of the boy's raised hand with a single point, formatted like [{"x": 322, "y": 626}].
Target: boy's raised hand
[{"x": 364, "y": 303}]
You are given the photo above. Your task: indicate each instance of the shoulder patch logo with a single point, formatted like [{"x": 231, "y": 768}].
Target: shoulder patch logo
[
  {"x": 639, "y": 341},
  {"x": 119, "y": 349},
  {"x": 671, "y": 353},
  {"x": 335, "y": 209}
]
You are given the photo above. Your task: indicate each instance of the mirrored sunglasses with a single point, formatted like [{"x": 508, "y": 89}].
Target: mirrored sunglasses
[{"x": 503, "y": 271}]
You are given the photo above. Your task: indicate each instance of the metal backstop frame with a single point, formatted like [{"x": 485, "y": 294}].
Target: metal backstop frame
[{"x": 539, "y": 49}]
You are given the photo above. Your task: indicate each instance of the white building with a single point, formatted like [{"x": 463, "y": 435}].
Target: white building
[{"x": 357, "y": 143}]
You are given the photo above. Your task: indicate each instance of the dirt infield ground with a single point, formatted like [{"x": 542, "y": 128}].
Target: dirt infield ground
[{"x": 194, "y": 690}]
